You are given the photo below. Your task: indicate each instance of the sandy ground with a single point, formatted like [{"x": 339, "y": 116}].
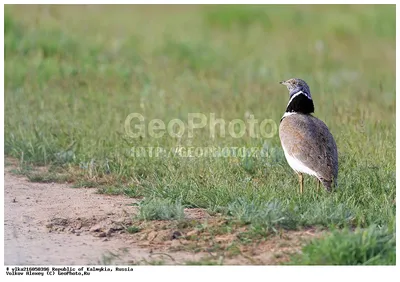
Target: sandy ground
[{"x": 54, "y": 224}]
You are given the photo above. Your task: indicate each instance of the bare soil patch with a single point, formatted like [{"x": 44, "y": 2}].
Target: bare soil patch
[{"x": 51, "y": 223}]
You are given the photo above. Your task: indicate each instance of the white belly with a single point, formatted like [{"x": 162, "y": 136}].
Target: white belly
[{"x": 297, "y": 165}]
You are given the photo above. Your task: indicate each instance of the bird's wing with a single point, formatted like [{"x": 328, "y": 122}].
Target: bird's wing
[{"x": 312, "y": 144}]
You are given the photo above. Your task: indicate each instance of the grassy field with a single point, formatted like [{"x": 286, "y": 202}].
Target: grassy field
[{"x": 73, "y": 74}]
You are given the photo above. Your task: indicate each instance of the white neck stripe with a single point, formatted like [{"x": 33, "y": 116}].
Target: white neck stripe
[
  {"x": 297, "y": 94},
  {"x": 286, "y": 114}
]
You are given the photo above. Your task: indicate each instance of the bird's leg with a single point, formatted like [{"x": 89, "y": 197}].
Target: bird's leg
[
  {"x": 318, "y": 184},
  {"x": 301, "y": 182}
]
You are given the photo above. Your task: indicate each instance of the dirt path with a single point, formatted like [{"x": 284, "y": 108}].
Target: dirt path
[
  {"x": 55, "y": 224},
  {"x": 49, "y": 223}
]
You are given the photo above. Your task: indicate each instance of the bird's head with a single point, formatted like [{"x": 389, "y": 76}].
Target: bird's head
[{"x": 296, "y": 85}]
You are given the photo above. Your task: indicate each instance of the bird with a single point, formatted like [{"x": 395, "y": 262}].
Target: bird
[{"x": 308, "y": 145}]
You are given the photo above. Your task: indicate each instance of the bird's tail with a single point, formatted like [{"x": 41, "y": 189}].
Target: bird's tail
[{"x": 329, "y": 184}]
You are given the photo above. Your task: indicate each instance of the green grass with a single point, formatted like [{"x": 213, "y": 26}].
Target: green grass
[
  {"x": 372, "y": 246},
  {"x": 160, "y": 209},
  {"x": 133, "y": 229},
  {"x": 74, "y": 73},
  {"x": 48, "y": 177}
]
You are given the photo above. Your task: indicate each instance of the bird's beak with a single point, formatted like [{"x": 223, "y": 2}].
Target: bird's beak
[{"x": 283, "y": 82}]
